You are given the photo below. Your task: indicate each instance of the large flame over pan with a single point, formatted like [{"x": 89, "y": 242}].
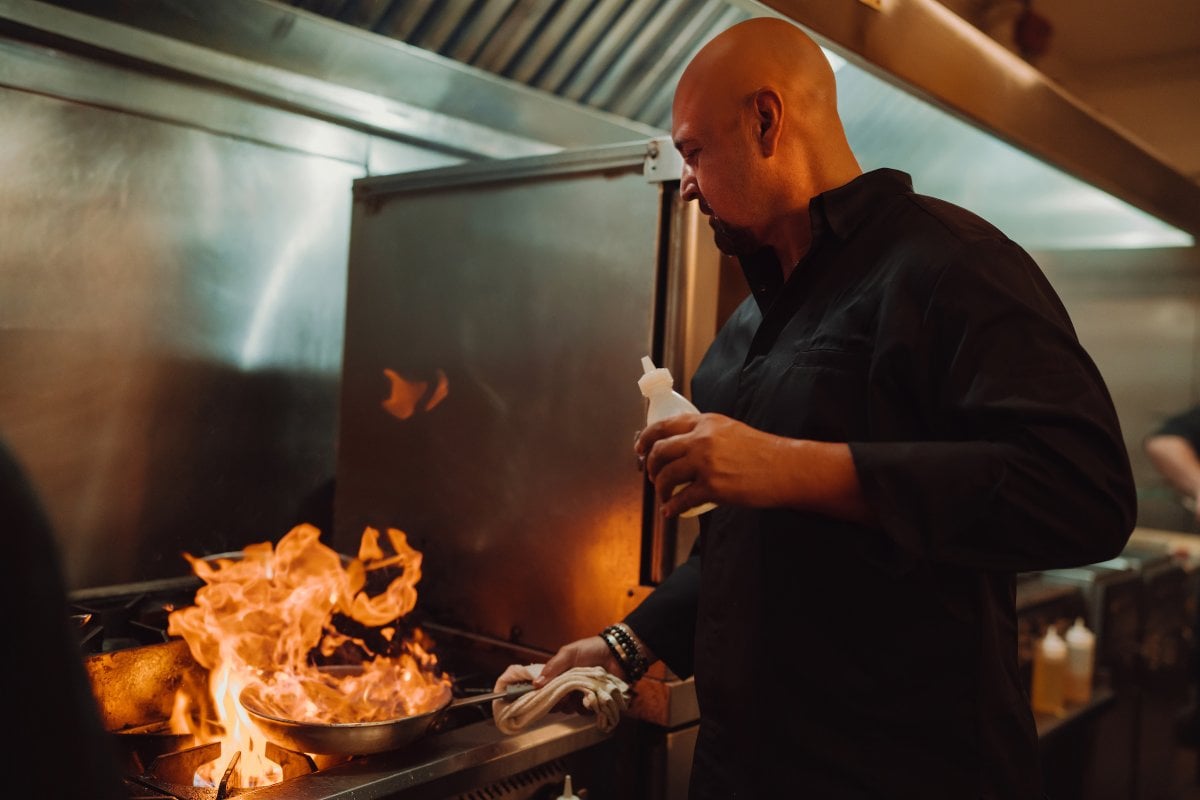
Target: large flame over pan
[{"x": 271, "y": 618}]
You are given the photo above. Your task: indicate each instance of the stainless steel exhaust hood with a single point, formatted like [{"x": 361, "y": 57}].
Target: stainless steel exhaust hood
[
  {"x": 1031, "y": 156},
  {"x": 920, "y": 89}
]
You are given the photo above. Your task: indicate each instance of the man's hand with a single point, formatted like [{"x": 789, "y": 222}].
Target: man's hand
[
  {"x": 589, "y": 652},
  {"x": 720, "y": 460}
]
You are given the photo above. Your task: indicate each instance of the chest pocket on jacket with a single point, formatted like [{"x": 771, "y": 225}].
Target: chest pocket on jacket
[
  {"x": 831, "y": 358},
  {"x": 823, "y": 392}
]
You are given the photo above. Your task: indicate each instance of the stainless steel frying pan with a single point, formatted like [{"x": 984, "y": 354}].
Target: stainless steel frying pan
[{"x": 362, "y": 738}]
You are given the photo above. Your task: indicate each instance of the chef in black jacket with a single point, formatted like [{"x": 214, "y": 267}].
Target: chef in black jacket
[
  {"x": 1174, "y": 450},
  {"x": 897, "y": 420},
  {"x": 56, "y": 747}
]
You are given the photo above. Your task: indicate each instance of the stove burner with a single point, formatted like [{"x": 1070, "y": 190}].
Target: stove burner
[
  {"x": 166, "y": 764},
  {"x": 108, "y": 624}
]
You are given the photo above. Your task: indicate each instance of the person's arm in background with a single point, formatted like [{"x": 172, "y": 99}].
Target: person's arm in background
[{"x": 1174, "y": 455}]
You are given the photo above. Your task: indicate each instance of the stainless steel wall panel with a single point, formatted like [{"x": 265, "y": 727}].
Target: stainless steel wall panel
[
  {"x": 172, "y": 284},
  {"x": 533, "y": 294},
  {"x": 171, "y": 310}
]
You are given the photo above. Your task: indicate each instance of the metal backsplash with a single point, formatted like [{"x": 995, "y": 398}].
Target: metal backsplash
[
  {"x": 496, "y": 319},
  {"x": 171, "y": 305},
  {"x": 173, "y": 280}
]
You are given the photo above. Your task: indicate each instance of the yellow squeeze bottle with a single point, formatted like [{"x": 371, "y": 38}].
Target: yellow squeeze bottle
[
  {"x": 1049, "y": 674},
  {"x": 1081, "y": 660}
]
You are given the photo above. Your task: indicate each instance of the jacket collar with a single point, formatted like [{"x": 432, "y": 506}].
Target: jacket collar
[{"x": 838, "y": 212}]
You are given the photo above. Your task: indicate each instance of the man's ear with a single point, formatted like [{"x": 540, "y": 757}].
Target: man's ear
[{"x": 768, "y": 110}]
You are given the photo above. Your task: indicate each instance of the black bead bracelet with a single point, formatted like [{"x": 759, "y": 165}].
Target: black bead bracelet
[{"x": 625, "y": 651}]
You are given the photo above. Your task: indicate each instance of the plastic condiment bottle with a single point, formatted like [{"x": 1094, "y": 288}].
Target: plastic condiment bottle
[
  {"x": 658, "y": 387},
  {"x": 568, "y": 792},
  {"x": 1081, "y": 661},
  {"x": 1049, "y": 673}
]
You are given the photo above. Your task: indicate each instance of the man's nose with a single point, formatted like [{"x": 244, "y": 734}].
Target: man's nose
[{"x": 687, "y": 185}]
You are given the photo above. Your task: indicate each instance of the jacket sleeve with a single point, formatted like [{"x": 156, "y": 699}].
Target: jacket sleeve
[
  {"x": 666, "y": 619},
  {"x": 1024, "y": 466}
]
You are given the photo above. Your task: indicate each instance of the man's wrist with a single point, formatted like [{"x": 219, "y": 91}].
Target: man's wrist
[
  {"x": 646, "y": 652},
  {"x": 627, "y": 651}
]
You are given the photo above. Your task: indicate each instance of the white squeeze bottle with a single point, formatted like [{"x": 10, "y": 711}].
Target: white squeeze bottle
[
  {"x": 658, "y": 386},
  {"x": 1081, "y": 660},
  {"x": 568, "y": 792}
]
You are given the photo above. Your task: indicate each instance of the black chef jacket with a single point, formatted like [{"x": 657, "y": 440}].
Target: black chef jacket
[{"x": 835, "y": 660}]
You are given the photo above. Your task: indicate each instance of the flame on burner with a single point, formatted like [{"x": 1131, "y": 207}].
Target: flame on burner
[{"x": 266, "y": 622}]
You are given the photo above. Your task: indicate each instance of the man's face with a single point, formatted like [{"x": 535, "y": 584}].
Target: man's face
[{"x": 714, "y": 169}]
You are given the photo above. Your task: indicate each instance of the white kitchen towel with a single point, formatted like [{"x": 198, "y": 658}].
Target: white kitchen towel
[{"x": 604, "y": 694}]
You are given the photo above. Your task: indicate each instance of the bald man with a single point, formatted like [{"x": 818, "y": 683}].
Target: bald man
[{"x": 897, "y": 420}]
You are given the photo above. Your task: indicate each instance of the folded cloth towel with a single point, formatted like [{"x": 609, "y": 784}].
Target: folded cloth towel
[{"x": 604, "y": 694}]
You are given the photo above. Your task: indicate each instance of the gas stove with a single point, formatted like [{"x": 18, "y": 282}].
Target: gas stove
[{"x": 135, "y": 669}]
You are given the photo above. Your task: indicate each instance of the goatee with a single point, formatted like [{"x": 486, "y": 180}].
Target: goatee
[{"x": 733, "y": 240}]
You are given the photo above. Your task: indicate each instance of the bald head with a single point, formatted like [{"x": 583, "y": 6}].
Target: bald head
[
  {"x": 757, "y": 53},
  {"x": 755, "y": 117}
]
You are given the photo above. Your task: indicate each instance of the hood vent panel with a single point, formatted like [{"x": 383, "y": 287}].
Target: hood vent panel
[{"x": 624, "y": 57}]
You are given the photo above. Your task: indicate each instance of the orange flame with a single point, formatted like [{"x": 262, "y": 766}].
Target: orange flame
[
  {"x": 405, "y": 396},
  {"x": 263, "y": 620}
]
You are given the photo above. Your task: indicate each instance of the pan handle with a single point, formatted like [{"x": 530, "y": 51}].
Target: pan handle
[{"x": 511, "y": 692}]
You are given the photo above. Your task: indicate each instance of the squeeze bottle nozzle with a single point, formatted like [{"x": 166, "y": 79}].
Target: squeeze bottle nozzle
[
  {"x": 658, "y": 378},
  {"x": 568, "y": 792}
]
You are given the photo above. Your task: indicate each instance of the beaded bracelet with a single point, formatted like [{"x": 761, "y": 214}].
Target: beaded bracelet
[{"x": 625, "y": 651}]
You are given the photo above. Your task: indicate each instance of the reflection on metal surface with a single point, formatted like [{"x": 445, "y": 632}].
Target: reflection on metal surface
[
  {"x": 405, "y": 396},
  {"x": 532, "y": 284},
  {"x": 173, "y": 279},
  {"x": 286, "y": 299},
  {"x": 165, "y": 391}
]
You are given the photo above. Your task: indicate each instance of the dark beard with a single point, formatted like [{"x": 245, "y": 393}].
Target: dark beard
[{"x": 733, "y": 240}]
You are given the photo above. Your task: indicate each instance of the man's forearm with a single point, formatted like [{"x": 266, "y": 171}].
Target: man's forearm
[
  {"x": 821, "y": 477},
  {"x": 1176, "y": 461}
]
